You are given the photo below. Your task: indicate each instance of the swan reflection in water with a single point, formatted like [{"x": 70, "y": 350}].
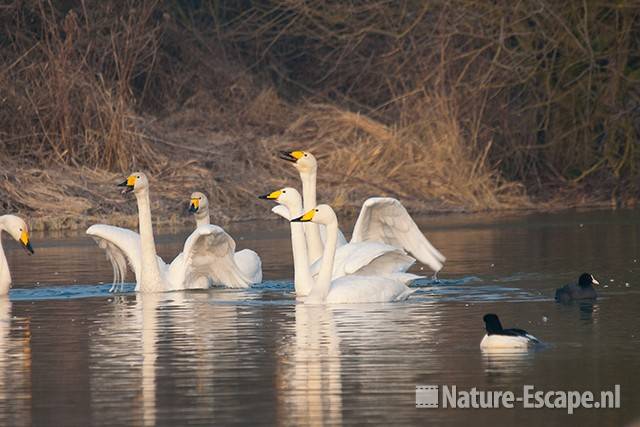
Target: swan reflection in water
[
  {"x": 311, "y": 384},
  {"x": 161, "y": 342},
  {"x": 15, "y": 367}
]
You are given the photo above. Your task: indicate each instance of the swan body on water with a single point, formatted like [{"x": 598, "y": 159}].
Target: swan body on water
[
  {"x": 362, "y": 258},
  {"x": 347, "y": 289},
  {"x": 19, "y": 231},
  {"x": 246, "y": 260},
  {"x": 207, "y": 257},
  {"x": 381, "y": 219}
]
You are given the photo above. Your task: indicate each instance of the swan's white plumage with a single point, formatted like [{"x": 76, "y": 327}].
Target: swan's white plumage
[
  {"x": 384, "y": 219},
  {"x": 367, "y": 289},
  {"x": 381, "y": 219},
  {"x": 367, "y": 258},
  {"x": 323, "y": 236},
  {"x": 18, "y": 229},
  {"x": 122, "y": 248},
  {"x": 246, "y": 260},
  {"x": 250, "y": 264},
  {"x": 209, "y": 252},
  {"x": 208, "y": 257},
  {"x": 362, "y": 258},
  {"x": 352, "y": 288},
  {"x": 282, "y": 211}
]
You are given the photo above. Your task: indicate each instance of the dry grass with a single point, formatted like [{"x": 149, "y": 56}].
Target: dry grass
[{"x": 463, "y": 105}]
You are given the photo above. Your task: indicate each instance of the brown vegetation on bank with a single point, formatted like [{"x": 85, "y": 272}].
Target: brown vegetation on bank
[{"x": 463, "y": 104}]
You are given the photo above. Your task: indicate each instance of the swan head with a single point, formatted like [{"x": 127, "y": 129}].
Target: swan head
[
  {"x": 302, "y": 160},
  {"x": 321, "y": 214},
  {"x": 18, "y": 229},
  {"x": 289, "y": 197},
  {"x": 135, "y": 182},
  {"x": 198, "y": 202}
]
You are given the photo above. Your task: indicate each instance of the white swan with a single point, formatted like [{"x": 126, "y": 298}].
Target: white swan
[
  {"x": 208, "y": 251},
  {"x": 347, "y": 289},
  {"x": 16, "y": 228},
  {"x": 247, "y": 260},
  {"x": 291, "y": 207},
  {"x": 381, "y": 219},
  {"x": 308, "y": 168},
  {"x": 362, "y": 258}
]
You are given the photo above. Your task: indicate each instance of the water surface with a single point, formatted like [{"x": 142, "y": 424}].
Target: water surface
[{"x": 73, "y": 354}]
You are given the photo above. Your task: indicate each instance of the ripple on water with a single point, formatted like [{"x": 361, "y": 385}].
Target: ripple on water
[{"x": 464, "y": 289}]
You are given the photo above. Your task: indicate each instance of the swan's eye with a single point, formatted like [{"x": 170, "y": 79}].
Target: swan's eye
[
  {"x": 317, "y": 210},
  {"x": 20, "y": 229},
  {"x": 199, "y": 198},
  {"x": 284, "y": 191},
  {"x": 306, "y": 155}
]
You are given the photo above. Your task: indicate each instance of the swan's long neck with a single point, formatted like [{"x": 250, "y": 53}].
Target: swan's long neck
[
  {"x": 150, "y": 278},
  {"x": 5, "y": 274},
  {"x": 202, "y": 217},
  {"x": 302, "y": 279},
  {"x": 323, "y": 284},
  {"x": 312, "y": 232}
]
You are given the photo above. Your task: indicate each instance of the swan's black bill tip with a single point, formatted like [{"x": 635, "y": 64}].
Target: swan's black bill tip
[{"x": 286, "y": 155}]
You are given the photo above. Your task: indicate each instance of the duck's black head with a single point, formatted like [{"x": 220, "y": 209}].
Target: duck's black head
[
  {"x": 492, "y": 323},
  {"x": 586, "y": 280}
]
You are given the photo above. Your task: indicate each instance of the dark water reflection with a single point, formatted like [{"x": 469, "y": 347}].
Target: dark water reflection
[{"x": 71, "y": 354}]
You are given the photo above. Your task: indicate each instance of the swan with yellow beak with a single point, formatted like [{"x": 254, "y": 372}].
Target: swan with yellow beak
[
  {"x": 17, "y": 228},
  {"x": 207, "y": 258},
  {"x": 381, "y": 219},
  {"x": 325, "y": 289},
  {"x": 347, "y": 289}
]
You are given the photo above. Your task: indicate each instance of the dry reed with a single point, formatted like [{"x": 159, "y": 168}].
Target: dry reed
[{"x": 446, "y": 105}]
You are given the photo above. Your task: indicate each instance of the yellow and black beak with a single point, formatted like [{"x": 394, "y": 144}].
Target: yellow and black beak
[
  {"x": 26, "y": 243},
  {"x": 271, "y": 196},
  {"x": 291, "y": 156},
  {"x": 128, "y": 185},
  {"x": 194, "y": 205},
  {"x": 306, "y": 217}
]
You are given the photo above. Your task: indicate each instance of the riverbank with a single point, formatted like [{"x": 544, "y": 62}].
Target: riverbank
[{"x": 203, "y": 98}]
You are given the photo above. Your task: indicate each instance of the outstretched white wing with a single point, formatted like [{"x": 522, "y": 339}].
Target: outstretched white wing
[
  {"x": 208, "y": 252},
  {"x": 122, "y": 247},
  {"x": 368, "y": 259},
  {"x": 384, "y": 219}
]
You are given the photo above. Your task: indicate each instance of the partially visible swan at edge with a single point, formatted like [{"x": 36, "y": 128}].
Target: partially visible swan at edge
[
  {"x": 347, "y": 289},
  {"x": 208, "y": 251},
  {"x": 381, "y": 219},
  {"x": 248, "y": 261},
  {"x": 16, "y": 228},
  {"x": 363, "y": 258}
]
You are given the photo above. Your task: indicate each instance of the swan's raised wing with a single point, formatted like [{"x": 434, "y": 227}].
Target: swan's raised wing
[
  {"x": 122, "y": 247},
  {"x": 384, "y": 219},
  {"x": 367, "y": 259},
  {"x": 208, "y": 252}
]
